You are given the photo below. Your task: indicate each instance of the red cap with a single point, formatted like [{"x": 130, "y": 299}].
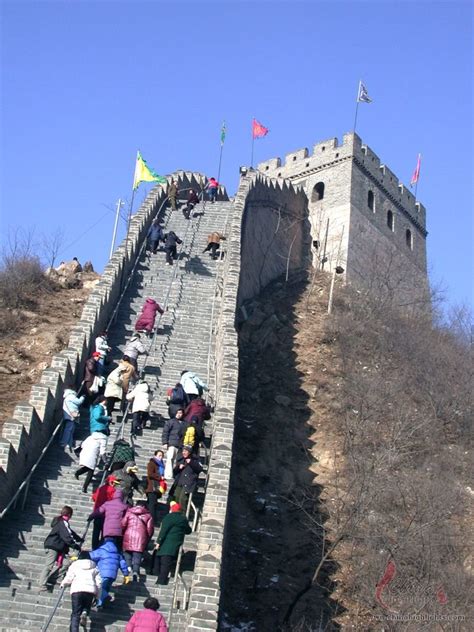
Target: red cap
[{"x": 174, "y": 507}]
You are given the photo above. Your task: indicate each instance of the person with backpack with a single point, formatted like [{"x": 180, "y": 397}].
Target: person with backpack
[
  {"x": 174, "y": 528},
  {"x": 156, "y": 484},
  {"x": 140, "y": 396},
  {"x": 193, "y": 434},
  {"x": 71, "y": 416},
  {"x": 146, "y": 320},
  {"x": 148, "y": 619},
  {"x": 186, "y": 472},
  {"x": 138, "y": 527},
  {"x": 176, "y": 399},
  {"x": 133, "y": 349},
  {"x": 193, "y": 385},
  {"x": 109, "y": 559},
  {"x": 171, "y": 241},
  {"x": 155, "y": 235},
  {"x": 57, "y": 544},
  {"x": 172, "y": 439},
  {"x": 85, "y": 582}
]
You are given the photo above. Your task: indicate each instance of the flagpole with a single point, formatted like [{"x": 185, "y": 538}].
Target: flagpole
[
  {"x": 220, "y": 162},
  {"x": 253, "y": 141},
  {"x": 355, "y": 119},
  {"x": 357, "y": 107},
  {"x": 418, "y": 177}
]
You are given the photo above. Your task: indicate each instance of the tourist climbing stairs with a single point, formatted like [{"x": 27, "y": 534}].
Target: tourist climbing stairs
[{"x": 187, "y": 290}]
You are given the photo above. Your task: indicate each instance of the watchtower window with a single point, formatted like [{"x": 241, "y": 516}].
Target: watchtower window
[
  {"x": 370, "y": 200},
  {"x": 390, "y": 221},
  {"x": 409, "y": 238},
  {"x": 318, "y": 192}
]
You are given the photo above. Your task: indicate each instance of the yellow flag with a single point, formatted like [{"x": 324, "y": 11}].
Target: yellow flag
[{"x": 143, "y": 173}]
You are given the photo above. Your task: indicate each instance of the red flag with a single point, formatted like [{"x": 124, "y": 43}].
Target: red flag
[
  {"x": 258, "y": 130},
  {"x": 416, "y": 173}
]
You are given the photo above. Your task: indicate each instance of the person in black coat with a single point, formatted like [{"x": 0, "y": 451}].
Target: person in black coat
[
  {"x": 171, "y": 240},
  {"x": 57, "y": 544},
  {"x": 191, "y": 203},
  {"x": 172, "y": 439},
  {"x": 186, "y": 472}
]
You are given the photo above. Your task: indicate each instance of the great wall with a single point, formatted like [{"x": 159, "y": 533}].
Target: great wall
[{"x": 279, "y": 221}]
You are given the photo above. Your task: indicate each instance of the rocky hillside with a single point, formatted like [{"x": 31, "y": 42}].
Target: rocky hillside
[
  {"x": 351, "y": 500},
  {"x": 37, "y": 328}
]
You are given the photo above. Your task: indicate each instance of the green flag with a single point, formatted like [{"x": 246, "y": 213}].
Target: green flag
[
  {"x": 223, "y": 132},
  {"x": 143, "y": 173}
]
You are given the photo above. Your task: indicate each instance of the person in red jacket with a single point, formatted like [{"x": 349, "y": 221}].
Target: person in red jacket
[
  {"x": 146, "y": 320},
  {"x": 197, "y": 408},
  {"x": 101, "y": 495},
  {"x": 138, "y": 527},
  {"x": 212, "y": 189},
  {"x": 148, "y": 619}
]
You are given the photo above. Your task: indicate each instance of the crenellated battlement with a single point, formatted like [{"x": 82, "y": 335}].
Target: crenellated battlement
[{"x": 300, "y": 164}]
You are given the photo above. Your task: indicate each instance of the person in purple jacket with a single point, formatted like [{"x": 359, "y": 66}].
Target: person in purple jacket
[{"x": 112, "y": 511}]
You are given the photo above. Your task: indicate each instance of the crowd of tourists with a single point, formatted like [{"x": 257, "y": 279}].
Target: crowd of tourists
[{"x": 125, "y": 517}]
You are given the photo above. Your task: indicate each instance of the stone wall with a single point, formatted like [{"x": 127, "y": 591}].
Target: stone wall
[
  {"x": 25, "y": 435},
  {"x": 268, "y": 233},
  {"x": 353, "y": 232}
]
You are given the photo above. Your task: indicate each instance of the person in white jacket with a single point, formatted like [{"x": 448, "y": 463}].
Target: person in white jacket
[
  {"x": 102, "y": 347},
  {"x": 134, "y": 348},
  {"x": 91, "y": 449},
  {"x": 193, "y": 386},
  {"x": 85, "y": 581},
  {"x": 140, "y": 396},
  {"x": 114, "y": 388}
]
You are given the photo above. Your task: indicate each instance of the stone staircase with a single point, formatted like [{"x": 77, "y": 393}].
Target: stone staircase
[{"x": 183, "y": 341}]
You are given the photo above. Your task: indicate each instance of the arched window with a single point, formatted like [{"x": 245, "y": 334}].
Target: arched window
[
  {"x": 318, "y": 192},
  {"x": 390, "y": 221},
  {"x": 409, "y": 238},
  {"x": 370, "y": 200}
]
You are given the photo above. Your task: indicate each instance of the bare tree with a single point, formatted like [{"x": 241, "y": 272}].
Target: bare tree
[{"x": 51, "y": 246}]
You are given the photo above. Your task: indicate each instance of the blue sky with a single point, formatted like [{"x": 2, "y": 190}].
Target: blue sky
[{"x": 86, "y": 84}]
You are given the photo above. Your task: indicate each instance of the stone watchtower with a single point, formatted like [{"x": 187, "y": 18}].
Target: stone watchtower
[{"x": 364, "y": 219}]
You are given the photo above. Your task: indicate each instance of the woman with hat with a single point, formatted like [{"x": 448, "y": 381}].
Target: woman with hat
[{"x": 173, "y": 529}]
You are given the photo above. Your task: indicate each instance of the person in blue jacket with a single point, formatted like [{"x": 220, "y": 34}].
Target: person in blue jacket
[
  {"x": 99, "y": 419},
  {"x": 109, "y": 559},
  {"x": 155, "y": 235}
]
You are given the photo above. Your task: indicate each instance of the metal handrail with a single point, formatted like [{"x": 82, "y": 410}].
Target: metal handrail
[{"x": 26, "y": 482}]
